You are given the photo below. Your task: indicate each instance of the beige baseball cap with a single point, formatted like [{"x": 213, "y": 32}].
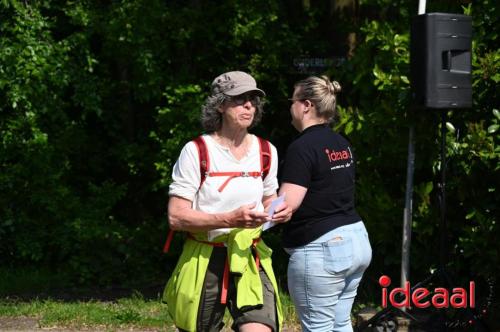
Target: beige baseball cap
[{"x": 235, "y": 83}]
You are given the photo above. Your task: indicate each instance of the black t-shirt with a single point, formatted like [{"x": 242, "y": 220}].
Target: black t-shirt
[{"x": 322, "y": 161}]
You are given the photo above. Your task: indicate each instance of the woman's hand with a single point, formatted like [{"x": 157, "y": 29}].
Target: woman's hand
[
  {"x": 283, "y": 213},
  {"x": 182, "y": 217},
  {"x": 246, "y": 217}
]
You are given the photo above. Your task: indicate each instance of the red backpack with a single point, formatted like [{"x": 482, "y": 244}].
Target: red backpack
[{"x": 265, "y": 165}]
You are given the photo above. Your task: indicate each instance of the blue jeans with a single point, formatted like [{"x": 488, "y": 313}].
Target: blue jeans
[{"x": 323, "y": 277}]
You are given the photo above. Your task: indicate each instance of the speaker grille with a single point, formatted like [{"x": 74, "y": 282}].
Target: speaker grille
[{"x": 440, "y": 56}]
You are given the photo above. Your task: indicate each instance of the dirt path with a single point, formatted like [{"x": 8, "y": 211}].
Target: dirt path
[
  {"x": 28, "y": 324},
  {"x": 25, "y": 324}
]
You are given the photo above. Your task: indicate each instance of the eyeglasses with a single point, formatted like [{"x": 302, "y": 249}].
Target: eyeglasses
[{"x": 242, "y": 99}]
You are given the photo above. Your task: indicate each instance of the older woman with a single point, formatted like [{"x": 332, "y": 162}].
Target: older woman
[
  {"x": 326, "y": 239},
  {"x": 222, "y": 182}
]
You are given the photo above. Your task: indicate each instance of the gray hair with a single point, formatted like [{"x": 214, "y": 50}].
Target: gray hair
[
  {"x": 211, "y": 118},
  {"x": 322, "y": 93}
]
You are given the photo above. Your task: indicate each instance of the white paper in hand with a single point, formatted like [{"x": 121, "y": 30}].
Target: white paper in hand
[{"x": 272, "y": 208}]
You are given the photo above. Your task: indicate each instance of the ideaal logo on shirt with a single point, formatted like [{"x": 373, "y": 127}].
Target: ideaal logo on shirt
[{"x": 339, "y": 156}]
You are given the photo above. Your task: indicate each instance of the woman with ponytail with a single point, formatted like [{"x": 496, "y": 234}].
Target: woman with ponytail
[{"x": 326, "y": 238}]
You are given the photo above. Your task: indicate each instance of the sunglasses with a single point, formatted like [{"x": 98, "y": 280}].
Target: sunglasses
[{"x": 242, "y": 99}]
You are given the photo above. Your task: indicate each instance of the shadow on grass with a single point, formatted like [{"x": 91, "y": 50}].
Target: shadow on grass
[{"x": 29, "y": 284}]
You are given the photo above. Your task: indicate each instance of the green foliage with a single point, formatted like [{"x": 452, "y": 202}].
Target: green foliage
[
  {"x": 474, "y": 151},
  {"x": 97, "y": 99},
  {"x": 379, "y": 107},
  {"x": 178, "y": 122}
]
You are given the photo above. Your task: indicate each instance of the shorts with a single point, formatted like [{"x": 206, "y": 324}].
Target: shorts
[{"x": 211, "y": 311}]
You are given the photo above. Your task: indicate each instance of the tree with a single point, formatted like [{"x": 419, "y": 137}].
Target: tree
[{"x": 98, "y": 97}]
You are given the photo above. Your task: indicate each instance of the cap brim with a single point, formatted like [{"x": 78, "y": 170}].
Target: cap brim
[{"x": 243, "y": 89}]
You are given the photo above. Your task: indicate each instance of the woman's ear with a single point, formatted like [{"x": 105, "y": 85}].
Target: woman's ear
[{"x": 308, "y": 105}]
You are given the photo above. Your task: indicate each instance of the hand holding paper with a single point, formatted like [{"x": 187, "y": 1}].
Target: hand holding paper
[
  {"x": 246, "y": 216},
  {"x": 272, "y": 209}
]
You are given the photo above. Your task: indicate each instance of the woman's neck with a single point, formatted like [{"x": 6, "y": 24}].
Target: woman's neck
[
  {"x": 231, "y": 137},
  {"x": 312, "y": 122}
]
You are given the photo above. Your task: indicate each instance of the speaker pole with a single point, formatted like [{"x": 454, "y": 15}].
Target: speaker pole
[
  {"x": 421, "y": 6},
  {"x": 407, "y": 217},
  {"x": 410, "y": 167},
  {"x": 443, "y": 227}
]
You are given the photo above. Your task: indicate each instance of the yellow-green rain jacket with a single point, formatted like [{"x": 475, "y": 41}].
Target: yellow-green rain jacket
[{"x": 183, "y": 290}]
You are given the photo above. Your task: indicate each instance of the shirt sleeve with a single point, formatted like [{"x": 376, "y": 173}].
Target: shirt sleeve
[
  {"x": 297, "y": 168},
  {"x": 186, "y": 175},
  {"x": 271, "y": 180}
]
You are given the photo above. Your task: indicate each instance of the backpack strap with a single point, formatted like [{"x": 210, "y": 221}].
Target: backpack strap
[
  {"x": 265, "y": 156},
  {"x": 265, "y": 166},
  {"x": 204, "y": 162},
  {"x": 203, "y": 158},
  {"x": 170, "y": 236}
]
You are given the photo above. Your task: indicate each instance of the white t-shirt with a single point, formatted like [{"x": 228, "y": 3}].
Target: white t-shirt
[{"x": 239, "y": 191}]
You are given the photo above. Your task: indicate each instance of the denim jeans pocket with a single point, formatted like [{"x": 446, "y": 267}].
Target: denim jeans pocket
[{"x": 338, "y": 254}]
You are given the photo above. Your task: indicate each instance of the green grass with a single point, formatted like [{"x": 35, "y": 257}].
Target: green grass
[
  {"x": 132, "y": 312},
  {"x": 290, "y": 317},
  {"x": 126, "y": 313}
]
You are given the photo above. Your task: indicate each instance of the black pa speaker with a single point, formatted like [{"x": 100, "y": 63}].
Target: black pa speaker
[{"x": 440, "y": 58}]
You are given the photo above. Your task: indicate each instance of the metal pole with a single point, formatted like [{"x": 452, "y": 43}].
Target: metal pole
[
  {"x": 443, "y": 245},
  {"x": 421, "y": 6},
  {"x": 407, "y": 216}
]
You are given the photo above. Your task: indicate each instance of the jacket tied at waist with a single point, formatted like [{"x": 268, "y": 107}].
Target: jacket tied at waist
[{"x": 183, "y": 290}]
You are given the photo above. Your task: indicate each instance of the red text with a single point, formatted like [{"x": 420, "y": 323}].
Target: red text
[
  {"x": 404, "y": 297},
  {"x": 337, "y": 155}
]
